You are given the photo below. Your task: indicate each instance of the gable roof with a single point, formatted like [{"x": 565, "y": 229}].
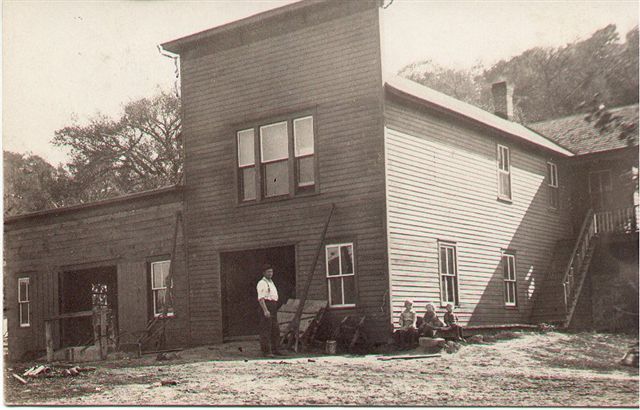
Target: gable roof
[
  {"x": 430, "y": 97},
  {"x": 581, "y": 137}
]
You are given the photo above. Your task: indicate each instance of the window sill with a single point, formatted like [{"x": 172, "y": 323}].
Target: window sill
[
  {"x": 25, "y": 326},
  {"x": 505, "y": 200},
  {"x": 342, "y": 307},
  {"x": 511, "y": 307},
  {"x": 167, "y": 316},
  {"x": 280, "y": 198}
]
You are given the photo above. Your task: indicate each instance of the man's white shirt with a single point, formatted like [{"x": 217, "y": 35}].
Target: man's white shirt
[{"x": 267, "y": 290}]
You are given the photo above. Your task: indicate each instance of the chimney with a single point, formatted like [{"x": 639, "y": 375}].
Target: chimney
[{"x": 502, "y": 100}]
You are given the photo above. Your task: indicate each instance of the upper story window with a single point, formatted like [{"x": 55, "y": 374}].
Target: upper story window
[
  {"x": 341, "y": 274},
  {"x": 286, "y": 158},
  {"x": 159, "y": 291},
  {"x": 448, "y": 273},
  {"x": 504, "y": 173},
  {"x": 24, "y": 302},
  {"x": 554, "y": 187}
]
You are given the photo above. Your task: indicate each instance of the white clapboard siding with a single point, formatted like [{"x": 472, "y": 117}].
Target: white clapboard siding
[{"x": 442, "y": 184}]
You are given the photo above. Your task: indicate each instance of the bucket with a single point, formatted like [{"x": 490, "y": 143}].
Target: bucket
[{"x": 331, "y": 346}]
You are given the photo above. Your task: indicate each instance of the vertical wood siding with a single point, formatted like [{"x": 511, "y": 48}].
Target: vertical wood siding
[
  {"x": 333, "y": 67},
  {"x": 123, "y": 235},
  {"x": 442, "y": 185}
]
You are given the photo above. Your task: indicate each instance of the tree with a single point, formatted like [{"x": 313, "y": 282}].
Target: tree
[
  {"x": 32, "y": 184},
  {"x": 141, "y": 150}
]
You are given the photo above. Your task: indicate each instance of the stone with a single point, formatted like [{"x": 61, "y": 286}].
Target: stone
[{"x": 431, "y": 342}]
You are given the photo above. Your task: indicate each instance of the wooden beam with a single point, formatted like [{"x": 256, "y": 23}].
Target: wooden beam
[{"x": 48, "y": 334}]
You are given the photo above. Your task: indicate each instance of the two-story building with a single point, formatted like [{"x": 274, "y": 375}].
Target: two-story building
[{"x": 286, "y": 114}]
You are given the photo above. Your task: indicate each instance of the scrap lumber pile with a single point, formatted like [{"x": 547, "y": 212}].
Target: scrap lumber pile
[
  {"x": 310, "y": 317},
  {"x": 48, "y": 371}
]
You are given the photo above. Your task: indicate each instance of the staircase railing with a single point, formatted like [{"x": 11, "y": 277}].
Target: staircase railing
[
  {"x": 572, "y": 283},
  {"x": 622, "y": 220}
]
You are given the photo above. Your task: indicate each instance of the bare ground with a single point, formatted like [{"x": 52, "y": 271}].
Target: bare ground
[{"x": 549, "y": 369}]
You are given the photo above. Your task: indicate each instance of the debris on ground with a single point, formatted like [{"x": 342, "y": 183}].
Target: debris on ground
[
  {"x": 20, "y": 379},
  {"x": 166, "y": 356},
  {"x": 545, "y": 327},
  {"x": 475, "y": 339},
  {"x": 422, "y": 356},
  {"x": 168, "y": 383},
  {"x": 311, "y": 361},
  {"x": 451, "y": 347},
  {"x": 631, "y": 357}
]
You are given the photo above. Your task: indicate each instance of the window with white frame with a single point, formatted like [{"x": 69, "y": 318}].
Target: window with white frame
[
  {"x": 341, "y": 280},
  {"x": 448, "y": 273},
  {"x": 509, "y": 274},
  {"x": 159, "y": 285},
  {"x": 24, "y": 304},
  {"x": 504, "y": 173},
  {"x": 286, "y": 155},
  {"x": 552, "y": 182},
  {"x": 600, "y": 188}
]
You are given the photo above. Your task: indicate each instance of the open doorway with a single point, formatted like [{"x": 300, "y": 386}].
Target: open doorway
[
  {"x": 76, "y": 295},
  {"x": 240, "y": 273}
]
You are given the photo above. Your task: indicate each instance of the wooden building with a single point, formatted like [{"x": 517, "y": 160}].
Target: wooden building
[{"x": 285, "y": 114}]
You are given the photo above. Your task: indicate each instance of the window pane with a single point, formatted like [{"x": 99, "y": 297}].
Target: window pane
[
  {"x": 555, "y": 197},
  {"x": 451, "y": 260},
  {"x": 160, "y": 297},
  {"x": 24, "y": 313},
  {"x": 248, "y": 181},
  {"x": 512, "y": 268},
  {"x": 505, "y": 267},
  {"x": 335, "y": 291},
  {"x": 346, "y": 253},
  {"x": 349, "y": 284},
  {"x": 450, "y": 295},
  {"x": 333, "y": 261},
  {"x": 246, "y": 155},
  {"x": 276, "y": 178},
  {"x": 274, "y": 142},
  {"x": 23, "y": 292},
  {"x": 306, "y": 171},
  {"x": 443, "y": 260},
  {"x": 505, "y": 185},
  {"x": 303, "y": 136},
  {"x": 159, "y": 273}
]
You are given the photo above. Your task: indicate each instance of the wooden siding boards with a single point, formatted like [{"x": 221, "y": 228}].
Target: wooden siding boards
[
  {"x": 332, "y": 66},
  {"x": 442, "y": 186},
  {"x": 122, "y": 233}
]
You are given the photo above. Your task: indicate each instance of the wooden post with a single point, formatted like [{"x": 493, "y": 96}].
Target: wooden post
[
  {"x": 48, "y": 339},
  {"x": 103, "y": 332}
]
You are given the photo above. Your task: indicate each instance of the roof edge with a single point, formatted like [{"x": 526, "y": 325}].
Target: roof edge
[{"x": 95, "y": 204}]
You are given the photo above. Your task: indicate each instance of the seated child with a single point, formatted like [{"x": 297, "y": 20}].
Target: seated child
[
  {"x": 451, "y": 320},
  {"x": 430, "y": 322},
  {"x": 407, "y": 333}
]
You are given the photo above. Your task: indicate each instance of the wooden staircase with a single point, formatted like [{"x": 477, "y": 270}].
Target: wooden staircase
[{"x": 559, "y": 292}]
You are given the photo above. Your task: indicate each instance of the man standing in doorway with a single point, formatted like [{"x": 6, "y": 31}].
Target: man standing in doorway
[{"x": 268, "y": 300}]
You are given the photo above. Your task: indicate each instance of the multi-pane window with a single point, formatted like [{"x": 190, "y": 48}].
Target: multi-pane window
[
  {"x": 24, "y": 302},
  {"x": 286, "y": 155},
  {"x": 448, "y": 274},
  {"x": 600, "y": 188},
  {"x": 341, "y": 278},
  {"x": 552, "y": 182},
  {"x": 159, "y": 285},
  {"x": 509, "y": 271},
  {"x": 504, "y": 173}
]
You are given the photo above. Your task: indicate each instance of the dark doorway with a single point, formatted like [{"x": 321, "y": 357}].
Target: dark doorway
[
  {"x": 240, "y": 273},
  {"x": 76, "y": 296}
]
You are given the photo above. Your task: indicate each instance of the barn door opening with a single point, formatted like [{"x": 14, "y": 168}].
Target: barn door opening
[
  {"x": 79, "y": 290},
  {"x": 240, "y": 273}
]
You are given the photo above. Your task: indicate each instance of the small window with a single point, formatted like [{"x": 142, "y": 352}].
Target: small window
[
  {"x": 160, "y": 296},
  {"x": 246, "y": 163},
  {"x": 448, "y": 274},
  {"x": 274, "y": 153},
  {"x": 304, "y": 150},
  {"x": 552, "y": 182},
  {"x": 600, "y": 188},
  {"x": 24, "y": 302},
  {"x": 509, "y": 271},
  {"x": 504, "y": 173},
  {"x": 341, "y": 279}
]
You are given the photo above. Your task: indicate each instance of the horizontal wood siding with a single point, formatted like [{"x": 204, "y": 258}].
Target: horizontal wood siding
[
  {"x": 123, "y": 235},
  {"x": 332, "y": 67},
  {"x": 442, "y": 186}
]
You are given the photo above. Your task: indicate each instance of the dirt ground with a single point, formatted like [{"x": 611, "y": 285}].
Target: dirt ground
[{"x": 532, "y": 369}]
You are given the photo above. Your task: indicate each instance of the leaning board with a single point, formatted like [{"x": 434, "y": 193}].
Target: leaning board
[{"x": 287, "y": 312}]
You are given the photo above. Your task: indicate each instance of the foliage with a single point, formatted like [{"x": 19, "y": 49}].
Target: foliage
[
  {"x": 548, "y": 82},
  {"x": 141, "y": 150},
  {"x": 32, "y": 184}
]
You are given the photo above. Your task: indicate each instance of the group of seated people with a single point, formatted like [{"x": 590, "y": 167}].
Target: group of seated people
[{"x": 412, "y": 327}]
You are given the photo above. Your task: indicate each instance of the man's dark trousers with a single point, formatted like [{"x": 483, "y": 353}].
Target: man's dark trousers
[{"x": 269, "y": 330}]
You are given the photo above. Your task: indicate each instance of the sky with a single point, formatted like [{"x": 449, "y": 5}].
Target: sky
[{"x": 64, "y": 62}]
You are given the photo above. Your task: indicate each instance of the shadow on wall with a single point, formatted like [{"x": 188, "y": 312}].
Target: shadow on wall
[{"x": 532, "y": 244}]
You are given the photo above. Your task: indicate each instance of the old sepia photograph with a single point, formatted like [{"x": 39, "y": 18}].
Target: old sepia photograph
[{"x": 338, "y": 203}]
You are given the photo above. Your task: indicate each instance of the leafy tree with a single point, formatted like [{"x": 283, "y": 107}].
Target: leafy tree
[
  {"x": 32, "y": 184},
  {"x": 141, "y": 150}
]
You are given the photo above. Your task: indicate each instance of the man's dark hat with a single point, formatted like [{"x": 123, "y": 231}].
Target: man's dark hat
[{"x": 266, "y": 266}]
